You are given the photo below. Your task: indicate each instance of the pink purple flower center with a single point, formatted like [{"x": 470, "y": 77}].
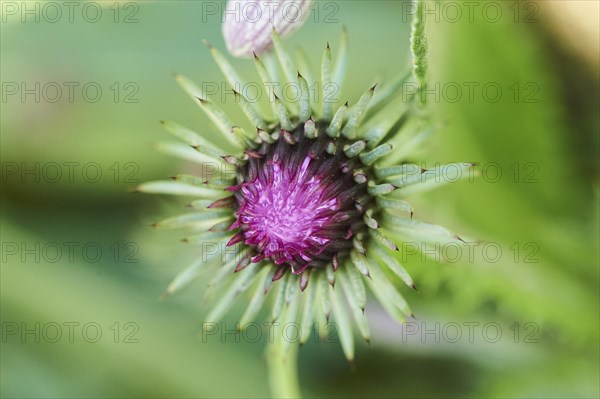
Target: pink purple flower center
[
  {"x": 286, "y": 212},
  {"x": 297, "y": 204}
]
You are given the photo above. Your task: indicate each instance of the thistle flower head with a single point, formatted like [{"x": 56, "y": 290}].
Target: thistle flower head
[
  {"x": 297, "y": 203},
  {"x": 247, "y": 24},
  {"x": 314, "y": 197}
]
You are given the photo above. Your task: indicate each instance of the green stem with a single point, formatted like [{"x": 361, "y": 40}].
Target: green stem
[{"x": 282, "y": 363}]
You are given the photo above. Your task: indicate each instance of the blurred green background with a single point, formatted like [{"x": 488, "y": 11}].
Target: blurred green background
[{"x": 541, "y": 133}]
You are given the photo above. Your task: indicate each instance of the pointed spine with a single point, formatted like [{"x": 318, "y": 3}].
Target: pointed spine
[
  {"x": 394, "y": 266},
  {"x": 258, "y": 298},
  {"x": 333, "y": 130},
  {"x": 307, "y": 317},
  {"x": 410, "y": 169},
  {"x": 355, "y": 280},
  {"x": 250, "y": 111},
  {"x": 268, "y": 83},
  {"x": 192, "y": 138},
  {"x": 354, "y": 149},
  {"x": 284, "y": 59},
  {"x": 324, "y": 290},
  {"x": 239, "y": 285},
  {"x": 339, "y": 70},
  {"x": 310, "y": 129},
  {"x": 280, "y": 298},
  {"x": 380, "y": 189},
  {"x": 304, "y": 101},
  {"x": 282, "y": 115},
  {"x": 368, "y": 158},
  {"x": 326, "y": 84},
  {"x": 344, "y": 325},
  {"x": 176, "y": 188},
  {"x": 357, "y": 113},
  {"x": 401, "y": 205},
  {"x": 360, "y": 263},
  {"x": 214, "y": 113},
  {"x": 221, "y": 120}
]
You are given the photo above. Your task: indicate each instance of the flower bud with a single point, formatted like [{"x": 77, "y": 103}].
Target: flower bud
[{"x": 248, "y": 24}]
